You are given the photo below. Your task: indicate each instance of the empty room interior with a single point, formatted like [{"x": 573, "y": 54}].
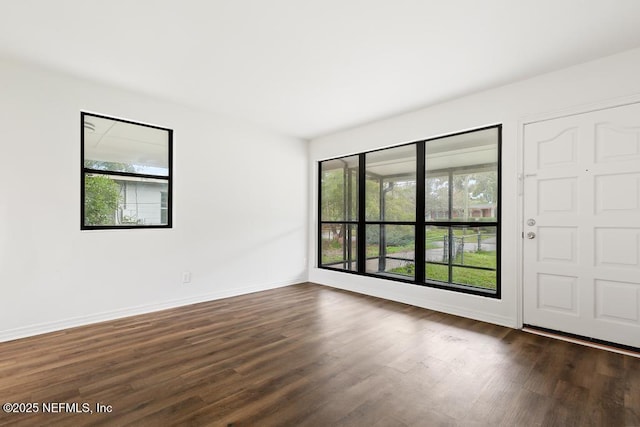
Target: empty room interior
[{"x": 318, "y": 213}]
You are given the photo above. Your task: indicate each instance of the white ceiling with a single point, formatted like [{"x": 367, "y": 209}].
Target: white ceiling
[{"x": 311, "y": 67}]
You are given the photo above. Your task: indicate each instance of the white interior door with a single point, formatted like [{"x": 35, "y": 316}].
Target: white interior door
[{"x": 582, "y": 224}]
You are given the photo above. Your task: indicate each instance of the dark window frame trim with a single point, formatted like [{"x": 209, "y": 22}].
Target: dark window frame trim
[
  {"x": 419, "y": 278},
  {"x": 84, "y": 170}
]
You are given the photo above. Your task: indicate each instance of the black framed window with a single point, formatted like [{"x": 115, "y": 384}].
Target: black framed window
[
  {"x": 428, "y": 212},
  {"x": 338, "y": 233},
  {"x": 462, "y": 212},
  {"x": 126, "y": 178},
  {"x": 390, "y": 211}
]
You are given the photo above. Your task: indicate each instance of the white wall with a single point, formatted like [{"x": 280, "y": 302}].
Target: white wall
[
  {"x": 240, "y": 209},
  {"x": 573, "y": 88}
]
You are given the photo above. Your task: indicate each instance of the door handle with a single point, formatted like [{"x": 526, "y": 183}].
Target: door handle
[{"x": 531, "y": 235}]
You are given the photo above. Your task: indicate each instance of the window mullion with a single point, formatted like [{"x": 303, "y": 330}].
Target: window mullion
[
  {"x": 345, "y": 217},
  {"x": 419, "y": 254},
  {"x": 451, "y": 241},
  {"x": 362, "y": 194},
  {"x": 320, "y": 201},
  {"x": 382, "y": 237}
]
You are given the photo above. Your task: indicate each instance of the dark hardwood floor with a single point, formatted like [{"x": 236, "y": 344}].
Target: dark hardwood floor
[{"x": 308, "y": 355}]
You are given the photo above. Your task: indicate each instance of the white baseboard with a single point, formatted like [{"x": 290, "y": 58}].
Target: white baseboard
[
  {"x": 58, "y": 325},
  {"x": 430, "y": 305}
]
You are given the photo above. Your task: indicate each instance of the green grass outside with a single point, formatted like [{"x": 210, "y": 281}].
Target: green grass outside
[
  {"x": 466, "y": 276},
  {"x": 485, "y": 259}
]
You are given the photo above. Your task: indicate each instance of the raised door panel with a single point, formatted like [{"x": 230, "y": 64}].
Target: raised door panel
[
  {"x": 557, "y": 293},
  {"x": 618, "y": 247},
  {"x": 557, "y": 196},
  {"x": 617, "y": 193},
  {"x": 558, "y": 245},
  {"x": 617, "y": 143},
  {"x": 558, "y": 151},
  {"x": 618, "y": 301}
]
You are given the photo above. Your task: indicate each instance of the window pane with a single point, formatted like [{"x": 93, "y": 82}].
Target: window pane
[
  {"x": 471, "y": 251},
  {"x": 372, "y": 202},
  {"x": 122, "y": 200},
  {"x": 462, "y": 151},
  {"x": 101, "y": 199},
  {"x": 484, "y": 279},
  {"x": 336, "y": 251},
  {"x": 437, "y": 253},
  {"x": 437, "y": 272},
  {"x": 391, "y": 184},
  {"x": 475, "y": 246},
  {"x": 436, "y": 197},
  {"x": 391, "y": 249},
  {"x": 113, "y": 145},
  {"x": 164, "y": 207},
  {"x": 462, "y": 177},
  {"x": 475, "y": 196},
  {"x": 339, "y": 189}
]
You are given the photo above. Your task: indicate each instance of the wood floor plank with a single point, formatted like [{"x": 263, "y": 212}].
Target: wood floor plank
[{"x": 309, "y": 355}]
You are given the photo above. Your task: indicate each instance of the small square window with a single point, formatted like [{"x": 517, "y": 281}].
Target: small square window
[{"x": 126, "y": 174}]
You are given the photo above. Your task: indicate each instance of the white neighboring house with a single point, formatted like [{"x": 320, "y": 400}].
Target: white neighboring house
[{"x": 141, "y": 201}]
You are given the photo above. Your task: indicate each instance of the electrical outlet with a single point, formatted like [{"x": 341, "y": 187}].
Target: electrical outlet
[{"x": 186, "y": 277}]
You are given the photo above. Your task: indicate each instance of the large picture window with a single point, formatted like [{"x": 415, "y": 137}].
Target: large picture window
[
  {"x": 425, "y": 213},
  {"x": 126, "y": 174}
]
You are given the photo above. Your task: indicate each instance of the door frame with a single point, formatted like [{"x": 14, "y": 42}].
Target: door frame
[{"x": 541, "y": 117}]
